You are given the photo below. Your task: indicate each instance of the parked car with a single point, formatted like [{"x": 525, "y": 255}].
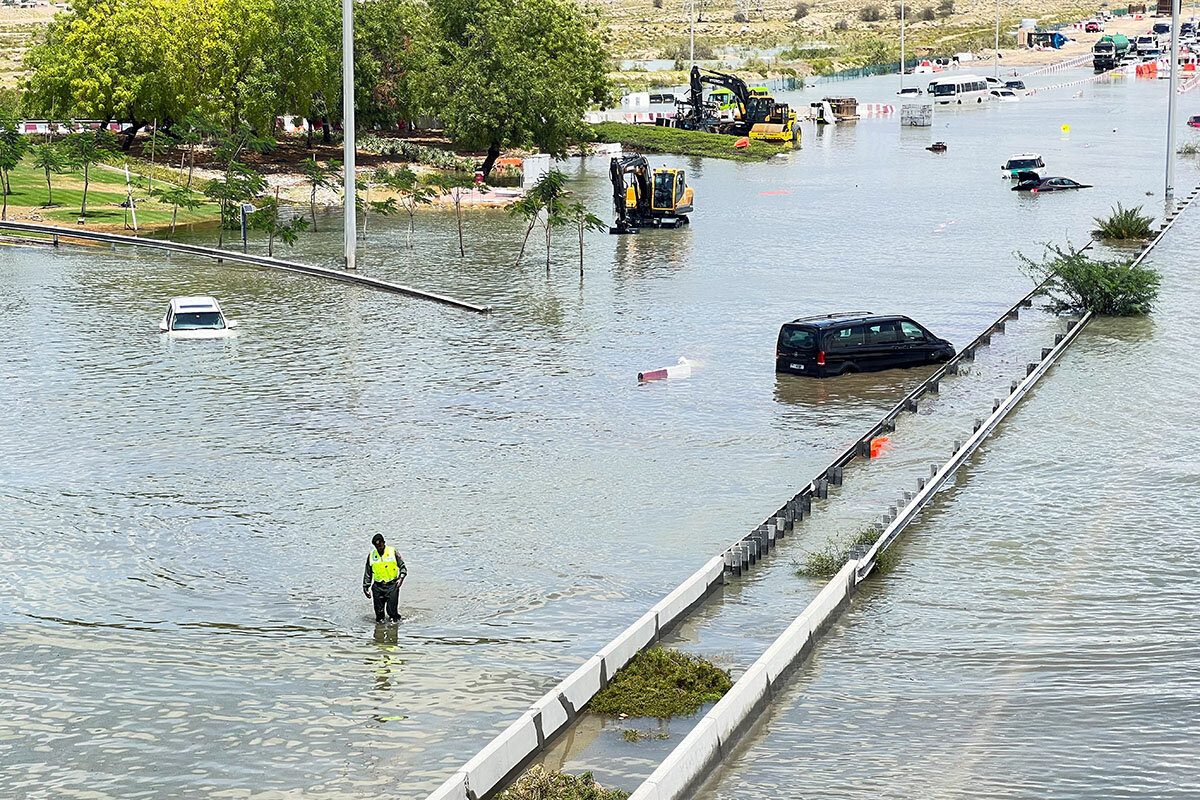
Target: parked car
[
  {"x": 195, "y": 317},
  {"x": 856, "y": 341},
  {"x": 1162, "y": 28},
  {"x": 1004, "y": 95},
  {"x": 1194, "y": 121},
  {"x": 1187, "y": 29},
  {"x": 909, "y": 91},
  {"x": 993, "y": 82},
  {"x": 1031, "y": 182},
  {"x": 1016, "y": 86},
  {"x": 1022, "y": 162},
  {"x": 1093, "y": 27}
]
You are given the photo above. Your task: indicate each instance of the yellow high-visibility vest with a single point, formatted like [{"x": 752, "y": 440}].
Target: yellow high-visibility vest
[{"x": 384, "y": 567}]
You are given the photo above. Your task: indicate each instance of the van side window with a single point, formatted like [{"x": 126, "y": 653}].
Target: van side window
[
  {"x": 847, "y": 338},
  {"x": 883, "y": 333},
  {"x": 911, "y": 332}
]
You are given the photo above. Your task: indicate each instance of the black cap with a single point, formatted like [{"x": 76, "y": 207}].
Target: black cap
[{"x": 377, "y": 539}]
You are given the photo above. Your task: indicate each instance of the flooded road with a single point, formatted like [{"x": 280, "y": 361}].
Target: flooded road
[{"x": 183, "y": 524}]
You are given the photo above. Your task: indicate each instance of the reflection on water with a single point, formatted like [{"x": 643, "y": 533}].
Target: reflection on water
[{"x": 183, "y": 523}]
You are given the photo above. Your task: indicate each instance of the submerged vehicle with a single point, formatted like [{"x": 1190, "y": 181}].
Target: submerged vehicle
[
  {"x": 646, "y": 198},
  {"x": 1022, "y": 162},
  {"x": 959, "y": 89},
  {"x": 1033, "y": 183},
  {"x": 195, "y": 317},
  {"x": 856, "y": 341},
  {"x": 1194, "y": 121},
  {"x": 1004, "y": 95}
]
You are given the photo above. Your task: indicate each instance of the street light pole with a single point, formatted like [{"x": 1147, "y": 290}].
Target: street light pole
[
  {"x": 902, "y": 46},
  {"x": 348, "y": 211},
  {"x": 1173, "y": 91},
  {"x": 997, "y": 38}
]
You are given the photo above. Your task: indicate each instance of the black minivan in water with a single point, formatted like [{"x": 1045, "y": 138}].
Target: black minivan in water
[{"x": 856, "y": 341}]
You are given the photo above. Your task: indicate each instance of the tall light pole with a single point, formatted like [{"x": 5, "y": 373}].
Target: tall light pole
[
  {"x": 997, "y": 38},
  {"x": 1172, "y": 91},
  {"x": 901, "y": 46},
  {"x": 348, "y": 210}
]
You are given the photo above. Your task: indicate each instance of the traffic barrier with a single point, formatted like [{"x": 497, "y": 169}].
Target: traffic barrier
[
  {"x": 245, "y": 258},
  {"x": 681, "y": 370},
  {"x": 455, "y": 788},
  {"x": 581, "y": 685},
  {"x": 875, "y": 109},
  {"x": 629, "y": 643},
  {"x": 550, "y": 712},
  {"x": 491, "y": 765},
  {"x": 1068, "y": 84},
  {"x": 1058, "y": 66},
  {"x": 671, "y": 607}
]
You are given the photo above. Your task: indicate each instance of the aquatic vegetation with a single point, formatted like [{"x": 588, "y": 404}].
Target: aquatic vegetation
[
  {"x": 1124, "y": 223},
  {"x": 539, "y": 783},
  {"x": 662, "y": 683},
  {"x": 634, "y": 735},
  {"x": 1077, "y": 283}
]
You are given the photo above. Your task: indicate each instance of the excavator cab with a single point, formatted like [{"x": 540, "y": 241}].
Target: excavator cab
[{"x": 645, "y": 197}]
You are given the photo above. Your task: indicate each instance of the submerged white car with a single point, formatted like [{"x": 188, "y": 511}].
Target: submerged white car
[
  {"x": 1005, "y": 95},
  {"x": 197, "y": 317}
]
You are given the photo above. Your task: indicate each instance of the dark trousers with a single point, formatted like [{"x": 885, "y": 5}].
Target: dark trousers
[{"x": 388, "y": 593}]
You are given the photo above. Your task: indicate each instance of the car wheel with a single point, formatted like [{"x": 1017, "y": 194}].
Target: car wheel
[{"x": 848, "y": 369}]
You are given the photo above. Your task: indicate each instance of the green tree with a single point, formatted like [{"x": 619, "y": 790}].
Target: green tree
[
  {"x": 266, "y": 218},
  {"x": 457, "y": 185},
  {"x": 49, "y": 159},
  {"x": 319, "y": 177},
  {"x": 85, "y": 149},
  {"x": 413, "y": 193},
  {"x": 584, "y": 221},
  {"x": 544, "y": 203},
  {"x": 177, "y": 196},
  {"x": 238, "y": 184},
  {"x": 395, "y": 59},
  {"x": 518, "y": 73},
  {"x": 12, "y": 149}
]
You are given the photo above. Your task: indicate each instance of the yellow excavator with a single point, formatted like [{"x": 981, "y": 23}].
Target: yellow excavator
[{"x": 646, "y": 198}]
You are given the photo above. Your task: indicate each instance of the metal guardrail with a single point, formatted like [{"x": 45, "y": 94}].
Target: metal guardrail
[
  {"x": 718, "y": 731},
  {"x": 226, "y": 255}
]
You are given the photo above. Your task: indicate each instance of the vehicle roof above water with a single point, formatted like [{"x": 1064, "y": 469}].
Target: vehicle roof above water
[
  {"x": 198, "y": 302},
  {"x": 844, "y": 318}
]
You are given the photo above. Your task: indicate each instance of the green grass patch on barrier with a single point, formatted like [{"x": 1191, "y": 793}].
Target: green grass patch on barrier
[
  {"x": 1124, "y": 223},
  {"x": 654, "y": 139},
  {"x": 662, "y": 683},
  {"x": 540, "y": 783}
]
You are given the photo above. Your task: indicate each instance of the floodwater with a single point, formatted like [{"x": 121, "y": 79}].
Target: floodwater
[{"x": 183, "y": 524}]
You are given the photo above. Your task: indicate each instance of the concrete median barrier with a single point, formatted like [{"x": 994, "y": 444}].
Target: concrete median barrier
[{"x": 491, "y": 765}]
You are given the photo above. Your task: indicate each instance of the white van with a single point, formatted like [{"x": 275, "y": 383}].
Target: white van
[{"x": 959, "y": 89}]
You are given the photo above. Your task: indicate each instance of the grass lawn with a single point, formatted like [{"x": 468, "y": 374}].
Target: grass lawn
[
  {"x": 106, "y": 192},
  {"x": 653, "y": 139}
]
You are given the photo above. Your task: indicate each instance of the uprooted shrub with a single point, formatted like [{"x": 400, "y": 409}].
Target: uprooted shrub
[
  {"x": 1077, "y": 283},
  {"x": 539, "y": 783},
  {"x": 662, "y": 683},
  {"x": 825, "y": 562},
  {"x": 1124, "y": 223}
]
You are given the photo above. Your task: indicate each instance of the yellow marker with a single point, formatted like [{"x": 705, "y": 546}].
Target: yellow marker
[{"x": 1066, "y": 128}]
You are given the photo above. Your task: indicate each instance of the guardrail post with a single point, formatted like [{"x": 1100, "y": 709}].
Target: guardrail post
[
  {"x": 995, "y": 403},
  {"x": 1012, "y": 387},
  {"x": 806, "y": 504},
  {"x": 978, "y": 424},
  {"x": 864, "y": 448},
  {"x": 985, "y": 339},
  {"x": 744, "y": 557},
  {"x": 999, "y": 327},
  {"x": 1046, "y": 352},
  {"x": 729, "y": 561},
  {"x": 889, "y": 426},
  {"x": 933, "y": 387},
  {"x": 56, "y": 240},
  {"x": 920, "y": 484},
  {"x": 835, "y": 476},
  {"x": 952, "y": 369},
  {"x": 911, "y": 405},
  {"x": 1029, "y": 368}
]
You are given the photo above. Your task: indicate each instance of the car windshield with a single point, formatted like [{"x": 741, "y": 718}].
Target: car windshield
[
  {"x": 1022, "y": 163},
  {"x": 792, "y": 337},
  {"x": 943, "y": 88},
  {"x": 197, "y": 320}
]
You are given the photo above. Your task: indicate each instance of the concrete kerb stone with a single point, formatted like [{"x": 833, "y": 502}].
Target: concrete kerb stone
[
  {"x": 551, "y": 714},
  {"x": 491, "y": 765},
  {"x": 455, "y": 788},
  {"x": 673, "y": 606},
  {"x": 733, "y": 712},
  {"x": 687, "y": 763},
  {"x": 581, "y": 685},
  {"x": 629, "y": 642}
]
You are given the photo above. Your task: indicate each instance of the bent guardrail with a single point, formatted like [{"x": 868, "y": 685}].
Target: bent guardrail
[{"x": 246, "y": 258}]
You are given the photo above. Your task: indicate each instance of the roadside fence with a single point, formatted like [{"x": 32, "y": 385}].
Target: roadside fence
[{"x": 1059, "y": 66}]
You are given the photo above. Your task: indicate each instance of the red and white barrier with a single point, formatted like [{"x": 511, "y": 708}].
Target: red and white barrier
[
  {"x": 875, "y": 109},
  {"x": 1068, "y": 84},
  {"x": 681, "y": 370},
  {"x": 1059, "y": 66}
]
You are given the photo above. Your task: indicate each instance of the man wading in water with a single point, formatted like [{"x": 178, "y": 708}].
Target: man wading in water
[{"x": 382, "y": 578}]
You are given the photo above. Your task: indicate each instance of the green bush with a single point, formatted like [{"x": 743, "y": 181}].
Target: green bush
[
  {"x": 801, "y": 11},
  {"x": 870, "y": 14},
  {"x": 661, "y": 683},
  {"x": 826, "y": 562},
  {"x": 539, "y": 783},
  {"x": 927, "y": 14},
  {"x": 415, "y": 153},
  {"x": 1077, "y": 283},
  {"x": 1124, "y": 223},
  {"x": 1191, "y": 148}
]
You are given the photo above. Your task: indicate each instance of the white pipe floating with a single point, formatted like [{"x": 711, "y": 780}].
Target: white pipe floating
[{"x": 681, "y": 370}]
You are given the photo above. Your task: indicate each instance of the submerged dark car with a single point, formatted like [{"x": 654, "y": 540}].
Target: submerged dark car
[
  {"x": 1032, "y": 182},
  {"x": 856, "y": 341}
]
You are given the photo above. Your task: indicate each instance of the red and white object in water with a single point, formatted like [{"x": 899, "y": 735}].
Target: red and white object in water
[{"x": 681, "y": 370}]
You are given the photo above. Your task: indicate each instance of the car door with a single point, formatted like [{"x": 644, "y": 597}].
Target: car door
[
  {"x": 843, "y": 349},
  {"x": 920, "y": 346},
  {"x": 883, "y": 347}
]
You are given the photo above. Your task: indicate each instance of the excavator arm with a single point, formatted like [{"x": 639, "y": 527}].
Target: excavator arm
[{"x": 637, "y": 168}]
